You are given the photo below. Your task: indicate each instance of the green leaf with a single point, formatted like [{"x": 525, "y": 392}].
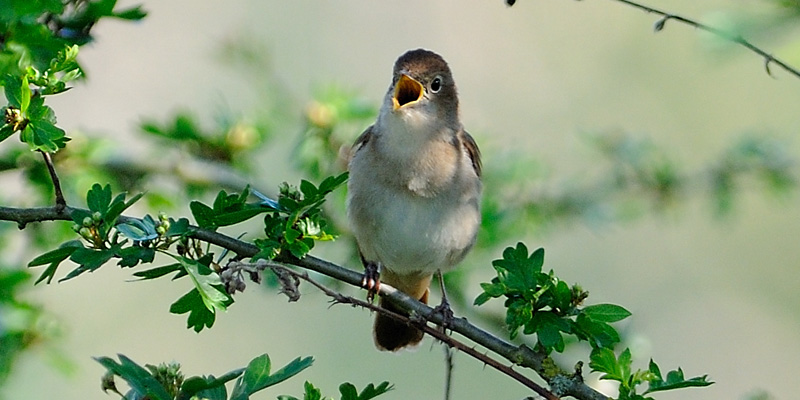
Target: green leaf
[
  {"x": 88, "y": 260},
  {"x": 54, "y": 258},
  {"x": 207, "y": 387},
  {"x": 203, "y": 215},
  {"x": 177, "y": 228},
  {"x": 133, "y": 255},
  {"x": 99, "y": 198},
  {"x": 199, "y": 315},
  {"x": 45, "y": 136},
  {"x": 6, "y": 131},
  {"x": 675, "y": 380},
  {"x": 118, "y": 206},
  {"x": 348, "y": 391},
  {"x": 257, "y": 375},
  {"x": 606, "y": 312},
  {"x": 158, "y": 272},
  {"x": 138, "y": 378},
  {"x": 604, "y": 360},
  {"x": 133, "y": 14},
  {"x": 12, "y": 85},
  {"x": 238, "y": 216},
  {"x": 207, "y": 282},
  {"x": 137, "y": 230},
  {"x": 599, "y": 334}
]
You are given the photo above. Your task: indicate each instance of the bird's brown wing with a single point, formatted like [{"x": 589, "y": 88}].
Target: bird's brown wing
[{"x": 472, "y": 150}]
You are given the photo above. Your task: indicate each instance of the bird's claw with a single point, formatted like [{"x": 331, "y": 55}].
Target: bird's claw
[
  {"x": 446, "y": 312},
  {"x": 371, "y": 280}
]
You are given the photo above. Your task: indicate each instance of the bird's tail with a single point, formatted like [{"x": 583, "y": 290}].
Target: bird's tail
[{"x": 393, "y": 335}]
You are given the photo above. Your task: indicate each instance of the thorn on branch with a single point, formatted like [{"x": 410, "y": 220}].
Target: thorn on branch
[{"x": 767, "y": 61}]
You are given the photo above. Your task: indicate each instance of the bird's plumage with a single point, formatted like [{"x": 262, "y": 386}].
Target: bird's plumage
[{"x": 414, "y": 188}]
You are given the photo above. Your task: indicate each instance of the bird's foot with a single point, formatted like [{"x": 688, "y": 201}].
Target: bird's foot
[
  {"x": 371, "y": 280},
  {"x": 446, "y": 312}
]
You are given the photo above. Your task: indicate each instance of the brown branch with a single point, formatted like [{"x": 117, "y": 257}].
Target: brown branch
[{"x": 518, "y": 355}]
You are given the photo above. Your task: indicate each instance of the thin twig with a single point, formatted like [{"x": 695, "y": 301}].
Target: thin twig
[
  {"x": 449, "y": 353},
  {"x": 60, "y": 202},
  {"x": 729, "y": 36}
]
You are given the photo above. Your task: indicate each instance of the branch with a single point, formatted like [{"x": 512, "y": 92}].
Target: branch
[
  {"x": 519, "y": 355},
  {"x": 731, "y": 37}
]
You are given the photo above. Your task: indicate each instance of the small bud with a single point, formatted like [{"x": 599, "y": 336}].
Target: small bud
[
  {"x": 86, "y": 233},
  {"x": 96, "y": 217},
  {"x": 87, "y": 222},
  {"x": 76, "y": 228},
  {"x": 161, "y": 230}
]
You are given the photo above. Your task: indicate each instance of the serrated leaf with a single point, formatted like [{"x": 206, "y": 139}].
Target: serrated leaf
[
  {"x": 207, "y": 282},
  {"x": 177, "y": 228},
  {"x": 675, "y": 380},
  {"x": 88, "y": 260},
  {"x": 118, "y": 206},
  {"x": 599, "y": 334},
  {"x": 54, "y": 258},
  {"x": 99, "y": 198},
  {"x": 45, "y": 136},
  {"x": 137, "y": 230},
  {"x": 138, "y": 378},
  {"x": 257, "y": 375},
  {"x": 203, "y": 215},
  {"x": 133, "y": 255},
  {"x": 605, "y": 361},
  {"x": 206, "y": 387},
  {"x": 199, "y": 315},
  {"x": 606, "y": 312},
  {"x": 348, "y": 391}
]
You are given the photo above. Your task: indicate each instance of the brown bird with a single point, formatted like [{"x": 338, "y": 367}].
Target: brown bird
[{"x": 414, "y": 191}]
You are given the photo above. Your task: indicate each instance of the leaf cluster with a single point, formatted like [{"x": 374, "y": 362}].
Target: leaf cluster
[
  {"x": 619, "y": 369},
  {"x": 544, "y": 305},
  {"x": 295, "y": 223},
  {"x": 166, "y": 382}
]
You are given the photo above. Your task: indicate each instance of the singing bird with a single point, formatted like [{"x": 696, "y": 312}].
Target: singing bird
[{"x": 414, "y": 191}]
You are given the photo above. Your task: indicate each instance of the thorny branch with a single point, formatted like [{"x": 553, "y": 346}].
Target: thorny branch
[
  {"x": 338, "y": 298},
  {"x": 518, "y": 355}
]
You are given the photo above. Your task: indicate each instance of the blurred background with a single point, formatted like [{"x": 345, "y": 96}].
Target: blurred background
[{"x": 656, "y": 169}]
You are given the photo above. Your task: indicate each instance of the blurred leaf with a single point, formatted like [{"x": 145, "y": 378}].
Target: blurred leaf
[
  {"x": 349, "y": 392},
  {"x": 158, "y": 271},
  {"x": 138, "y": 378}
]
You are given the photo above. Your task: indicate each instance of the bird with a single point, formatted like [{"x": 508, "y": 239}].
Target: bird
[{"x": 414, "y": 189}]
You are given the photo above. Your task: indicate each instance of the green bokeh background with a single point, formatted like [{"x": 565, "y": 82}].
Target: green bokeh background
[{"x": 713, "y": 295}]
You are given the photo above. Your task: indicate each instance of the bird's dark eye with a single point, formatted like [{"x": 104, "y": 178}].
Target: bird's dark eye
[{"x": 436, "y": 84}]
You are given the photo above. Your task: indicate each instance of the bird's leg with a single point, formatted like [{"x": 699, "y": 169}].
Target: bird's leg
[
  {"x": 444, "y": 307},
  {"x": 372, "y": 278}
]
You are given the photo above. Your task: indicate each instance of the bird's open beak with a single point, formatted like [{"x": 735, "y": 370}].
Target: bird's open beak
[{"x": 406, "y": 91}]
